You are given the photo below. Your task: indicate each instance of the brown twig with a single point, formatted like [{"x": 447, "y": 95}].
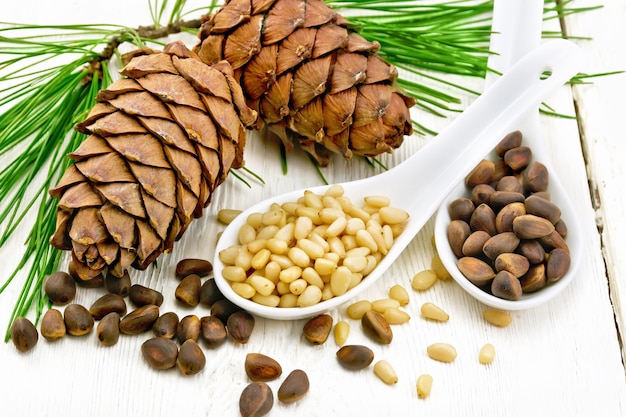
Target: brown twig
[{"x": 146, "y": 32}]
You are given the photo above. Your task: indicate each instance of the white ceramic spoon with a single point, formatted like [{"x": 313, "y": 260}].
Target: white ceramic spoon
[
  {"x": 419, "y": 184},
  {"x": 517, "y": 30}
]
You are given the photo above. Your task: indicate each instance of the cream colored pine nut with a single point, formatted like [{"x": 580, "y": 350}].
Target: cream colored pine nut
[
  {"x": 487, "y": 354},
  {"x": 290, "y": 207},
  {"x": 311, "y": 276},
  {"x": 399, "y": 293},
  {"x": 355, "y": 263},
  {"x": 324, "y": 266},
  {"x": 290, "y": 274},
  {"x": 433, "y": 312},
  {"x": 227, "y": 215},
  {"x": 340, "y": 280},
  {"x": 310, "y": 296},
  {"x": 383, "y": 304},
  {"x": 334, "y": 190},
  {"x": 298, "y": 286},
  {"x": 298, "y": 257},
  {"x": 357, "y": 309},
  {"x": 329, "y": 215},
  {"x": 302, "y": 228},
  {"x": 397, "y": 229},
  {"x": 371, "y": 264},
  {"x": 442, "y": 352},
  {"x": 229, "y": 255},
  {"x": 396, "y": 316},
  {"x": 267, "y": 300},
  {"x": 272, "y": 271},
  {"x": 310, "y": 212},
  {"x": 437, "y": 266},
  {"x": 377, "y": 201},
  {"x": 355, "y": 280},
  {"x": 388, "y": 236},
  {"x": 234, "y": 273},
  {"x": 317, "y": 238},
  {"x": 246, "y": 234},
  {"x": 353, "y": 225},
  {"x": 424, "y": 385},
  {"x": 273, "y": 217},
  {"x": 497, "y": 318},
  {"x": 377, "y": 236},
  {"x": 341, "y": 332},
  {"x": 282, "y": 288},
  {"x": 393, "y": 215},
  {"x": 244, "y": 258},
  {"x": 371, "y": 210},
  {"x": 423, "y": 280},
  {"x": 333, "y": 257},
  {"x": 260, "y": 259},
  {"x": 256, "y": 245},
  {"x": 261, "y": 284},
  {"x": 349, "y": 242},
  {"x": 255, "y": 220},
  {"x": 331, "y": 202},
  {"x": 320, "y": 229},
  {"x": 365, "y": 239},
  {"x": 277, "y": 246},
  {"x": 358, "y": 251},
  {"x": 243, "y": 289},
  {"x": 358, "y": 213},
  {"x": 313, "y": 200},
  {"x": 337, "y": 227},
  {"x": 344, "y": 202},
  {"x": 282, "y": 260},
  {"x": 266, "y": 232},
  {"x": 288, "y": 301},
  {"x": 385, "y": 372},
  {"x": 327, "y": 292},
  {"x": 312, "y": 249},
  {"x": 286, "y": 233}
]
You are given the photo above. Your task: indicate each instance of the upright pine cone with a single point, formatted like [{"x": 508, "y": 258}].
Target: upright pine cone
[
  {"x": 309, "y": 76},
  {"x": 161, "y": 139}
]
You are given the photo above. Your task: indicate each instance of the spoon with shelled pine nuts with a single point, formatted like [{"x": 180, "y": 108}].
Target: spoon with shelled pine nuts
[{"x": 444, "y": 161}]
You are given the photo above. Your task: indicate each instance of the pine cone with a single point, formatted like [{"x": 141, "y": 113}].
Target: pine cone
[
  {"x": 161, "y": 139},
  {"x": 309, "y": 76}
]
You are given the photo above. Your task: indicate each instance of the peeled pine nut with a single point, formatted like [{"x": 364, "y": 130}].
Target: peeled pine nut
[
  {"x": 310, "y": 296},
  {"x": 424, "y": 385},
  {"x": 396, "y": 316},
  {"x": 433, "y": 312},
  {"x": 423, "y": 280},
  {"x": 442, "y": 352},
  {"x": 385, "y": 372},
  {"x": 437, "y": 266},
  {"x": 356, "y": 310},
  {"x": 383, "y": 304},
  {"x": 227, "y": 215},
  {"x": 341, "y": 332},
  {"x": 397, "y": 292},
  {"x": 497, "y": 318},
  {"x": 487, "y": 354}
]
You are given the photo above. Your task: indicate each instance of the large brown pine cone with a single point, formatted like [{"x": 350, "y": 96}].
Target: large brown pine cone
[
  {"x": 161, "y": 139},
  {"x": 309, "y": 76}
]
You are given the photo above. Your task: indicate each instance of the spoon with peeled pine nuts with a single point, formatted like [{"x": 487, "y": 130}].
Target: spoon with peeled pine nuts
[{"x": 441, "y": 165}]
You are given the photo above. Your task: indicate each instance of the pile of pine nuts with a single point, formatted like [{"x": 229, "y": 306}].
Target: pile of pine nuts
[{"x": 311, "y": 250}]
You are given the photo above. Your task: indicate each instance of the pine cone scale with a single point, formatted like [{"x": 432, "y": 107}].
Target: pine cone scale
[{"x": 300, "y": 51}]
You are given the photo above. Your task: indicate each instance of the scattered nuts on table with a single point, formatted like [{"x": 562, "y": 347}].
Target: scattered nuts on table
[{"x": 424, "y": 385}]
